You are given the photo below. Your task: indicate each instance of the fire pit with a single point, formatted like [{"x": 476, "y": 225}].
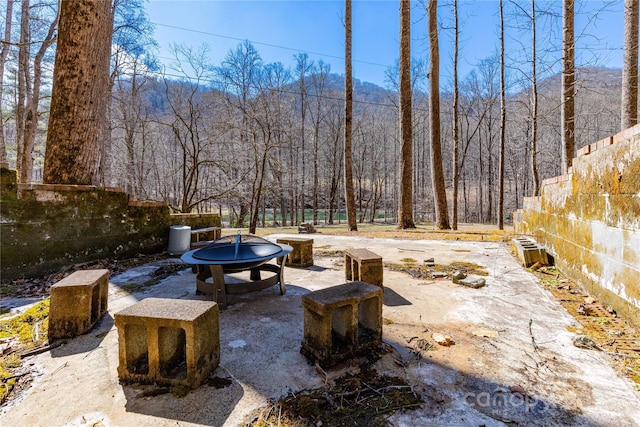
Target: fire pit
[{"x": 233, "y": 254}]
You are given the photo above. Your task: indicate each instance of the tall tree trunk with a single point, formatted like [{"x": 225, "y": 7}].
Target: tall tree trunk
[
  {"x": 33, "y": 101},
  {"x": 303, "y": 66},
  {"x": 3, "y": 57},
  {"x": 348, "y": 119},
  {"x": 80, "y": 86},
  {"x": 24, "y": 89},
  {"x": 405, "y": 214},
  {"x": 316, "y": 178},
  {"x": 630, "y": 65},
  {"x": 568, "y": 85},
  {"x": 437, "y": 172},
  {"x": 534, "y": 102},
  {"x": 456, "y": 135},
  {"x": 503, "y": 119}
]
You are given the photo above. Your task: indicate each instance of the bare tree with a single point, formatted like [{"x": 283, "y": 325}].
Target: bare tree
[
  {"x": 30, "y": 76},
  {"x": 534, "y": 102},
  {"x": 24, "y": 88},
  {"x": 303, "y": 66},
  {"x": 437, "y": 172},
  {"x": 319, "y": 79},
  {"x": 268, "y": 113},
  {"x": 630, "y": 65},
  {"x": 3, "y": 57},
  {"x": 456, "y": 117},
  {"x": 503, "y": 120},
  {"x": 405, "y": 215},
  {"x": 239, "y": 71},
  {"x": 80, "y": 85},
  {"x": 349, "y": 195},
  {"x": 567, "y": 115},
  {"x": 131, "y": 39}
]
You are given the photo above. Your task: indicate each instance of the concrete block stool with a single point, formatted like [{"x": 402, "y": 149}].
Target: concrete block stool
[
  {"x": 77, "y": 303},
  {"x": 302, "y": 254},
  {"x": 530, "y": 252},
  {"x": 363, "y": 265},
  {"x": 341, "y": 322},
  {"x": 169, "y": 341}
]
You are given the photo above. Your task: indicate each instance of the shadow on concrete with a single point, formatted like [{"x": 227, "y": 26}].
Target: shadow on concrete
[
  {"x": 461, "y": 399},
  {"x": 316, "y": 268},
  {"x": 466, "y": 399},
  {"x": 393, "y": 299},
  {"x": 210, "y": 404},
  {"x": 84, "y": 343}
]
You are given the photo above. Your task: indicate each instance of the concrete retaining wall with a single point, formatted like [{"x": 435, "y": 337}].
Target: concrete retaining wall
[
  {"x": 589, "y": 220},
  {"x": 46, "y": 227}
]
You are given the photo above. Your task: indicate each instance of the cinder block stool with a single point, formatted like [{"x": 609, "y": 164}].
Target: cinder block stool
[
  {"x": 77, "y": 303},
  {"x": 363, "y": 265},
  {"x": 341, "y": 322},
  {"x": 302, "y": 254},
  {"x": 530, "y": 252},
  {"x": 170, "y": 341}
]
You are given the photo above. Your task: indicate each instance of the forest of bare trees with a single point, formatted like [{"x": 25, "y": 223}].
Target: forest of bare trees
[{"x": 262, "y": 143}]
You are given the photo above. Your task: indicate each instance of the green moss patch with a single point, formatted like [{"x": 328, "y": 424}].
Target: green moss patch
[{"x": 23, "y": 332}]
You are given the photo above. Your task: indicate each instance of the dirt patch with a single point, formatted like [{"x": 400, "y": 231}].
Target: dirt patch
[
  {"x": 437, "y": 271},
  {"x": 161, "y": 273},
  {"x": 40, "y": 286},
  {"x": 364, "y": 399},
  {"x": 601, "y": 326},
  {"x": 328, "y": 253}
]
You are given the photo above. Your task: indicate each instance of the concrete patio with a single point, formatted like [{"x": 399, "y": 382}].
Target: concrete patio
[{"x": 510, "y": 341}]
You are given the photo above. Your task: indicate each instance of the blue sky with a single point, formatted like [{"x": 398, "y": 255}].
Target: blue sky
[{"x": 281, "y": 29}]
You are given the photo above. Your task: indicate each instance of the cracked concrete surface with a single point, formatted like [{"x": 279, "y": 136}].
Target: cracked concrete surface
[{"x": 512, "y": 361}]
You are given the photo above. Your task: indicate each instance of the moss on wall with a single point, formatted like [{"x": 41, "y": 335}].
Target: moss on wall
[
  {"x": 44, "y": 228},
  {"x": 591, "y": 223}
]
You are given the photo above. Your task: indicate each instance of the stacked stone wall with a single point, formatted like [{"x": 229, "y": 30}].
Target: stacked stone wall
[{"x": 46, "y": 227}]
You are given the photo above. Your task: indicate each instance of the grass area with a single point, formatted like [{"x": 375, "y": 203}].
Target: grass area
[{"x": 468, "y": 232}]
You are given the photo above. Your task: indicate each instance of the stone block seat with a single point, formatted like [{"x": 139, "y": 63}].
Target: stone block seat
[
  {"x": 530, "y": 252},
  {"x": 341, "y": 322},
  {"x": 364, "y": 265},
  {"x": 168, "y": 341},
  {"x": 302, "y": 254},
  {"x": 77, "y": 303}
]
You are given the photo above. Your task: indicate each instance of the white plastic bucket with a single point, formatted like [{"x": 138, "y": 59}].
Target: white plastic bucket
[{"x": 179, "y": 239}]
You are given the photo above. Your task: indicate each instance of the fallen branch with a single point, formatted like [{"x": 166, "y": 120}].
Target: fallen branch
[
  {"x": 533, "y": 339},
  {"x": 15, "y": 376}
]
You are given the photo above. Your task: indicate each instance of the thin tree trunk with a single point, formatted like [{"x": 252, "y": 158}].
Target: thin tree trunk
[
  {"x": 568, "y": 85},
  {"x": 437, "y": 172},
  {"x": 534, "y": 103},
  {"x": 302, "y": 68},
  {"x": 3, "y": 57},
  {"x": 456, "y": 135},
  {"x": 405, "y": 214},
  {"x": 23, "y": 91},
  {"x": 80, "y": 84},
  {"x": 348, "y": 113},
  {"x": 316, "y": 178},
  {"x": 630, "y": 65},
  {"x": 33, "y": 101},
  {"x": 503, "y": 113}
]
